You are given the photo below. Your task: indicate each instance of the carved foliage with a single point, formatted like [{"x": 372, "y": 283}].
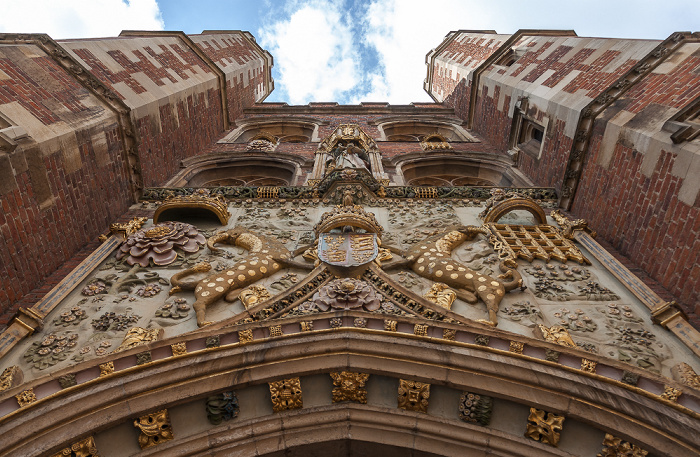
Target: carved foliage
[
  {"x": 83, "y": 448},
  {"x": 286, "y": 394},
  {"x": 555, "y": 334},
  {"x": 544, "y": 427},
  {"x": 26, "y": 397},
  {"x": 615, "y": 447},
  {"x": 349, "y": 386},
  {"x": 684, "y": 373},
  {"x": 222, "y": 407},
  {"x": 11, "y": 377},
  {"x": 155, "y": 428},
  {"x": 138, "y": 336},
  {"x": 413, "y": 395}
]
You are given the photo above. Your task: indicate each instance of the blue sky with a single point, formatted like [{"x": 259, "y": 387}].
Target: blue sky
[{"x": 349, "y": 50}]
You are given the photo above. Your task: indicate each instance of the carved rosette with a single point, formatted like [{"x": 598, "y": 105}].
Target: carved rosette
[
  {"x": 349, "y": 386},
  {"x": 544, "y": 427},
  {"x": 615, "y": 447},
  {"x": 413, "y": 396},
  {"x": 106, "y": 369},
  {"x": 286, "y": 394},
  {"x": 155, "y": 429},
  {"x": 83, "y": 448},
  {"x": 158, "y": 244},
  {"x": 475, "y": 408},
  {"x": 347, "y": 293}
]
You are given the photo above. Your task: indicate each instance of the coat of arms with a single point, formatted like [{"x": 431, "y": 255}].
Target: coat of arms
[{"x": 347, "y": 249}]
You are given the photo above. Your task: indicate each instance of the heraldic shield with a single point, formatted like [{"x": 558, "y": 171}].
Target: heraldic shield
[{"x": 347, "y": 249}]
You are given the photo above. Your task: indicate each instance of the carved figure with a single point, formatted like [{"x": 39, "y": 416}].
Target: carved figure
[
  {"x": 267, "y": 256},
  {"x": 431, "y": 259},
  {"x": 348, "y": 156}
]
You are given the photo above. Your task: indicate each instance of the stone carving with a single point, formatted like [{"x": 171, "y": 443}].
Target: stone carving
[
  {"x": 67, "y": 381},
  {"x": 532, "y": 241},
  {"x": 155, "y": 429},
  {"x": 615, "y": 447},
  {"x": 475, "y": 408},
  {"x": 127, "y": 229},
  {"x": 557, "y": 334},
  {"x": 286, "y": 394},
  {"x": 576, "y": 320},
  {"x": 113, "y": 321},
  {"x": 73, "y": 316},
  {"x": 671, "y": 393},
  {"x": 516, "y": 347},
  {"x": 588, "y": 365},
  {"x": 420, "y": 330},
  {"x": 569, "y": 227},
  {"x": 449, "y": 334},
  {"x": 138, "y": 336},
  {"x": 482, "y": 340},
  {"x": 261, "y": 145},
  {"x": 441, "y": 295},
  {"x": 683, "y": 373},
  {"x": 522, "y": 311},
  {"x": 222, "y": 407},
  {"x": 179, "y": 348},
  {"x": 347, "y": 293},
  {"x": 106, "y": 368},
  {"x": 360, "y": 322},
  {"x": 349, "y": 386},
  {"x": 177, "y": 309},
  {"x": 53, "y": 348},
  {"x": 253, "y": 295},
  {"x": 25, "y": 397},
  {"x": 83, "y": 448},
  {"x": 275, "y": 331},
  {"x": 11, "y": 377},
  {"x": 306, "y": 326},
  {"x": 390, "y": 325},
  {"x": 413, "y": 396},
  {"x": 544, "y": 426},
  {"x": 143, "y": 358},
  {"x": 212, "y": 341},
  {"x": 158, "y": 244},
  {"x": 267, "y": 256},
  {"x": 594, "y": 291},
  {"x": 245, "y": 336},
  {"x": 200, "y": 199},
  {"x": 431, "y": 259}
]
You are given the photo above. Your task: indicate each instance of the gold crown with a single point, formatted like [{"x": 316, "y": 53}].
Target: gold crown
[{"x": 353, "y": 216}]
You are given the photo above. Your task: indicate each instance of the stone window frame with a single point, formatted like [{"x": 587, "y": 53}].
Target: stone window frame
[{"x": 527, "y": 135}]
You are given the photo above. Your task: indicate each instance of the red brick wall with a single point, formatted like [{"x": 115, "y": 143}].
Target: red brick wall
[{"x": 51, "y": 205}]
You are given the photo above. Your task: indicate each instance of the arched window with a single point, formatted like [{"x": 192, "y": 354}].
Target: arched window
[
  {"x": 284, "y": 130},
  {"x": 449, "y": 170},
  {"x": 418, "y": 130},
  {"x": 223, "y": 170}
]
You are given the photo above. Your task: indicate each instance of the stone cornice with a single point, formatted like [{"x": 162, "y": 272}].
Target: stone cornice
[
  {"x": 334, "y": 108},
  {"x": 584, "y": 128},
  {"x": 86, "y": 79},
  {"x": 221, "y": 76}
]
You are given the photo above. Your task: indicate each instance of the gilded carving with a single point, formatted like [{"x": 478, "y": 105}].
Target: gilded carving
[
  {"x": 286, "y": 394},
  {"x": 588, "y": 365},
  {"x": 556, "y": 334},
  {"x": 106, "y": 368},
  {"x": 266, "y": 257},
  {"x": 348, "y": 132},
  {"x": 353, "y": 216},
  {"x": 155, "y": 428},
  {"x": 685, "y": 374},
  {"x": 413, "y": 396},
  {"x": 127, "y": 229},
  {"x": 222, "y": 407},
  {"x": 475, "y": 408},
  {"x": 420, "y": 330},
  {"x": 83, "y": 448},
  {"x": 306, "y": 326},
  {"x": 11, "y": 377},
  {"x": 511, "y": 201},
  {"x": 179, "y": 348},
  {"x": 449, "y": 334},
  {"x": 275, "y": 331},
  {"x": 482, "y": 340},
  {"x": 349, "y": 386},
  {"x": 615, "y": 447},
  {"x": 138, "y": 336},
  {"x": 25, "y": 397},
  {"x": 431, "y": 259},
  {"x": 516, "y": 347},
  {"x": 570, "y": 227},
  {"x": 532, "y": 241},
  {"x": 671, "y": 393},
  {"x": 434, "y": 142},
  {"x": 245, "y": 336},
  {"x": 390, "y": 325},
  {"x": 544, "y": 426},
  {"x": 253, "y": 295},
  {"x": 441, "y": 295}
]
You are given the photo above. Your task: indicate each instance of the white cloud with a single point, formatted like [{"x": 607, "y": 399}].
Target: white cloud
[
  {"x": 79, "y": 18},
  {"x": 314, "y": 52}
]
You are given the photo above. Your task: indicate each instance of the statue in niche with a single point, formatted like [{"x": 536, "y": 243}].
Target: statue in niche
[{"x": 348, "y": 155}]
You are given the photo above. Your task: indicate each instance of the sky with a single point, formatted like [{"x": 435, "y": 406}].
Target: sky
[{"x": 350, "y": 51}]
